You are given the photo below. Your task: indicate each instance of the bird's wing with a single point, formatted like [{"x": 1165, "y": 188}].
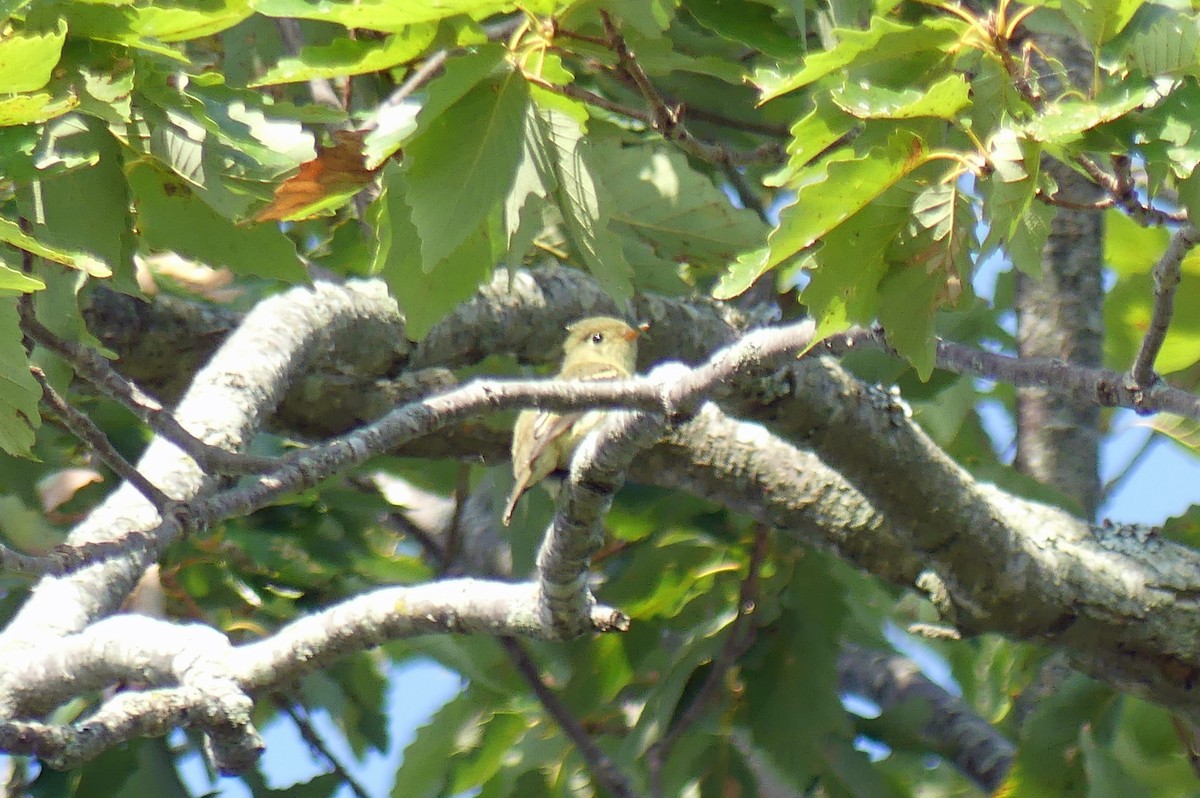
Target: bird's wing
[{"x": 547, "y": 427}]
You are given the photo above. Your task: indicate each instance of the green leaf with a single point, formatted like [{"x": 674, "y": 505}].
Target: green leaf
[
  {"x": 585, "y": 209},
  {"x": 499, "y": 735},
  {"x": 84, "y": 214},
  {"x": 425, "y": 769},
  {"x": 1170, "y": 47},
  {"x": 184, "y": 20},
  {"x": 1100, "y": 20},
  {"x": 24, "y": 109},
  {"x": 840, "y": 188},
  {"x": 344, "y": 57},
  {"x": 883, "y": 41},
  {"x": 424, "y": 295},
  {"x": 11, "y": 234},
  {"x": 461, "y": 165},
  {"x": 811, "y": 136},
  {"x": 908, "y": 298},
  {"x": 843, "y": 289},
  {"x": 793, "y": 675},
  {"x": 945, "y": 99},
  {"x": 27, "y": 57},
  {"x": 1066, "y": 120},
  {"x": 658, "y": 199},
  {"x": 19, "y": 392},
  {"x": 1129, "y": 248},
  {"x": 750, "y": 23},
  {"x": 171, "y": 217},
  {"x": 1047, "y": 762},
  {"x": 13, "y": 281},
  {"x": 742, "y": 274},
  {"x": 386, "y": 15}
]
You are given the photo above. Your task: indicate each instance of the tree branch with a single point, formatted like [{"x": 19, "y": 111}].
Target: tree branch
[
  {"x": 603, "y": 769},
  {"x": 1166, "y": 274}
]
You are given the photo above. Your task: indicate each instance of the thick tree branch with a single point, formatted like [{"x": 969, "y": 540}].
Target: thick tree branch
[{"x": 951, "y": 729}]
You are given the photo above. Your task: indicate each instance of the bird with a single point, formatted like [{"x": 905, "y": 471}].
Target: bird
[{"x": 596, "y": 348}]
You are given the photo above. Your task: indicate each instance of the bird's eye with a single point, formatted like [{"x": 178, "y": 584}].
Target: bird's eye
[{"x": 597, "y": 338}]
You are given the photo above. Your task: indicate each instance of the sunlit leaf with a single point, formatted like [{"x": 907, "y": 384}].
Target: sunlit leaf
[
  {"x": 838, "y": 189},
  {"x": 345, "y": 57},
  {"x": 27, "y": 57},
  {"x": 883, "y": 41}
]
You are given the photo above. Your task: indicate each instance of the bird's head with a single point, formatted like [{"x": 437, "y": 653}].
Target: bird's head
[{"x": 601, "y": 339}]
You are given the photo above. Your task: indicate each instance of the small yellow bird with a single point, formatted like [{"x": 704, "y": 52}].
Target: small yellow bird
[{"x": 597, "y": 348}]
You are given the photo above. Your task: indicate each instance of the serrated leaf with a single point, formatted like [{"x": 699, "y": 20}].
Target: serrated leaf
[
  {"x": 1170, "y": 47},
  {"x": 945, "y": 99},
  {"x": 658, "y": 199},
  {"x": 1100, "y": 20},
  {"x": 172, "y": 218},
  {"x": 742, "y": 274},
  {"x": 883, "y": 41},
  {"x": 344, "y": 57},
  {"x": 840, "y": 188},
  {"x": 1063, "y": 121},
  {"x": 19, "y": 392},
  {"x": 811, "y": 136},
  {"x": 460, "y": 167},
  {"x": 843, "y": 289},
  {"x": 1029, "y": 237},
  {"x": 424, "y": 295},
  {"x": 521, "y": 222},
  {"x": 579, "y": 198},
  {"x": 28, "y": 57}
]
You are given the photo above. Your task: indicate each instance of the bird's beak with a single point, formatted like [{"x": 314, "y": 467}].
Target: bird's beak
[{"x": 633, "y": 334}]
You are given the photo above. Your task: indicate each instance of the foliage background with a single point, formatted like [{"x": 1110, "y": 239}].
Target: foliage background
[{"x": 853, "y": 162}]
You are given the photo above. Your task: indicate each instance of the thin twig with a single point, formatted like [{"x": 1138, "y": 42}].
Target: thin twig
[
  {"x": 432, "y": 67},
  {"x": 462, "y": 492},
  {"x": 317, "y": 745},
  {"x": 736, "y": 642},
  {"x": 321, "y": 89},
  {"x": 591, "y": 98},
  {"x": 1166, "y": 276},
  {"x": 1103, "y": 387},
  {"x": 1125, "y": 196},
  {"x": 86, "y": 430},
  {"x": 96, "y": 370},
  {"x": 1061, "y": 202},
  {"x": 667, "y": 119},
  {"x": 603, "y": 769}
]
